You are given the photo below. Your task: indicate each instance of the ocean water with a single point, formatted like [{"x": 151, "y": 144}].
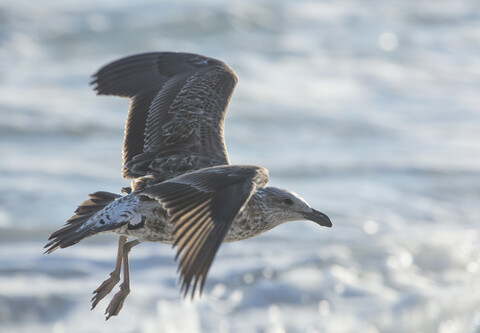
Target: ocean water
[{"x": 368, "y": 109}]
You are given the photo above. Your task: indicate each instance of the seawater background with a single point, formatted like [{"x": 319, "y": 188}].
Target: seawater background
[{"x": 369, "y": 109}]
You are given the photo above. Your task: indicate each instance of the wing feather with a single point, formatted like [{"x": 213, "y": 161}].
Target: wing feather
[
  {"x": 202, "y": 206},
  {"x": 177, "y": 111}
]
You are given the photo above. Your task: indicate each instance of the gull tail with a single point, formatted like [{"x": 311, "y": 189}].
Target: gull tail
[{"x": 75, "y": 229}]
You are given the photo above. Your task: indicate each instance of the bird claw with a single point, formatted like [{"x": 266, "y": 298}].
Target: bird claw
[
  {"x": 105, "y": 289},
  {"x": 116, "y": 303}
]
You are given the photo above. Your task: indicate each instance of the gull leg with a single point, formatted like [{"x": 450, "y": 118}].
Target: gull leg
[
  {"x": 116, "y": 303},
  {"x": 107, "y": 285}
]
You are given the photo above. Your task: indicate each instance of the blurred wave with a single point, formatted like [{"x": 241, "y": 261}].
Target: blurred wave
[{"x": 370, "y": 110}]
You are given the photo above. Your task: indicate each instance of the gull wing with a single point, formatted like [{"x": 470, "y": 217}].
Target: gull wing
[
  {"x": 202, "y": 205},
  {"x": 177, "y": 111}
]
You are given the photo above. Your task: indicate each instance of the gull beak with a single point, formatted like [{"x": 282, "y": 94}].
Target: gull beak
[{"x": 318, "y": 217}]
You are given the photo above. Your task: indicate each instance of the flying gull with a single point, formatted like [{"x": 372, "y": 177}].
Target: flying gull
[{"x": 184, "y": 190}]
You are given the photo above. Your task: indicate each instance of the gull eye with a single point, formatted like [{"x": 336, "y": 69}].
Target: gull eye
[{"x": 288, "y": 201}]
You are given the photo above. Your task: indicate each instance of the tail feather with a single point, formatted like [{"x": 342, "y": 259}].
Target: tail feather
[{"x": 71, "y": 233}]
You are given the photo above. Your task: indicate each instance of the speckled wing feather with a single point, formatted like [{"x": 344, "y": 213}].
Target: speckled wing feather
[
  {"x": 177, "y": 111},
  {"x": 202, "y": 205}
]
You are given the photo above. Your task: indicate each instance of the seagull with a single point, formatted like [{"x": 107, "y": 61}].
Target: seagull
[{"x": 184, "y": 191}]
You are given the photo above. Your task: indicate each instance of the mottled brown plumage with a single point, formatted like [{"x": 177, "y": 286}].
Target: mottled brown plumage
[
  {"x": 177, "y": 111},
  {"x": 184, "y": 191}
]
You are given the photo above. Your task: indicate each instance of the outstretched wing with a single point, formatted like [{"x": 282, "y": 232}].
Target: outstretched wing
[
  {"x": 177, "y": 111},
  {"x": 202, "y": 205}
]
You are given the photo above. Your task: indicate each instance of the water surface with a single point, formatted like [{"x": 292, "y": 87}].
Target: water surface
[{"x": 369, "y": 110}]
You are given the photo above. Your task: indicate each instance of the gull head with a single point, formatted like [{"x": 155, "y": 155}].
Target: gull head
[{"x": 284, "y": 205}]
